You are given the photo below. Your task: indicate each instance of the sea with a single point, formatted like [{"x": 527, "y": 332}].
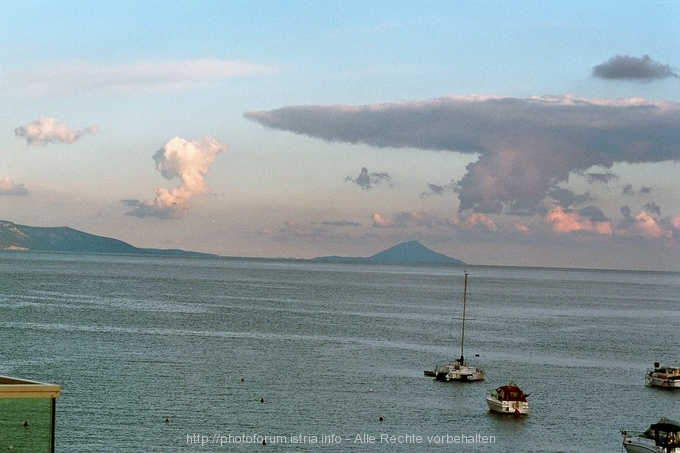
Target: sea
[{"x": 170, "y": 354}]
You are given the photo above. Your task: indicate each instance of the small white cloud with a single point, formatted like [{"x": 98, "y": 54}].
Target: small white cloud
[
  {"x": 379, "y": 222},
  {"x": 46, "y": 130},
  {"x": 9, "y": 187}
]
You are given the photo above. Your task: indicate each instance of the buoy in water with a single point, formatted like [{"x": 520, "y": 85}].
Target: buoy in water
[
  {"x": 261, "y": 400},
  {"x": 381, "y": 418}
]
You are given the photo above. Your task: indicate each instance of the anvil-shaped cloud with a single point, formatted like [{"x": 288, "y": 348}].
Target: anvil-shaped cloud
[{"x": 525, "y": 146}]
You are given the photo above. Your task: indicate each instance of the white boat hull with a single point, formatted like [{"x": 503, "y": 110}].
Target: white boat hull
[
  {"x": 644, "y": 445},
  {"x": 663, "y": 376},
  {"x": 656, "y": 381},
  {"x": 456, "y": 372},
  {"x": 507, "y": 407}
]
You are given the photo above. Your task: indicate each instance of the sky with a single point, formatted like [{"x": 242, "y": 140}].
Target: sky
[{"x": 524, "y": 133}]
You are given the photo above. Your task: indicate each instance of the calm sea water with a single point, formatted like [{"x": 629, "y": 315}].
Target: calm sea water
[{"x": 331, "y": 348}]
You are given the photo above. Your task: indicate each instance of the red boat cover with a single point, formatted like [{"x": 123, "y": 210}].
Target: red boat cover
[{"x": 511, "y": 393}]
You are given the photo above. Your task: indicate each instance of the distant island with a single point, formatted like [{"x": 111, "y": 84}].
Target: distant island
[
  {"x": 412, "y": 252},
  {"x": 65, "y": 239}
]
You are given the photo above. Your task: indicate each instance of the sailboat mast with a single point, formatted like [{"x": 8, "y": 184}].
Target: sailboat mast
[{"x": 462, "y": 334}]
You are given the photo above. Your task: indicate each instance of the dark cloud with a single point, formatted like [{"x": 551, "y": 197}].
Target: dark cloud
[
  {"x": 436, "y": 189},
  {"x": 566, "y": 198},
  {"x": 367, "y": 180},
  {"x": 342, "y": 223},
  {"x": 600, "y": 177},
  {"x": 628, "y": 190},
  {"x": 131, "y": 202},
  {"x": 525, "y": 146},
  {"x": 653, "y": 208},
  {"x": 592, "y": 213},
  {"x": 633, "y": 68},
  {"x": 626, "y": 213}
]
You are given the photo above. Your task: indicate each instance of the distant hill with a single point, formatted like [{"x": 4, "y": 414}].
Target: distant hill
[
  {"x": 412, "y": 252},
  {"x": 64, "y": 239}
]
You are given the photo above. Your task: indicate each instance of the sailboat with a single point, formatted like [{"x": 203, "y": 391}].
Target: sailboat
[{"x": 458, "y": 369}]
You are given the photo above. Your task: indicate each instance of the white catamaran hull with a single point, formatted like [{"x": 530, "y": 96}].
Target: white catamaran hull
[
  {"x": 507, "y": 407},
  {"x": 457, "y": 372}
]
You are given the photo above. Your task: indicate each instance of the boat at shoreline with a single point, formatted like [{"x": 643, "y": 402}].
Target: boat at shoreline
[
  {"x": 508, "y": 399},
  {"x": 663, "y": 376},
  {"x": 458, "y": 370},
  {"x": 661, "y": 437}
]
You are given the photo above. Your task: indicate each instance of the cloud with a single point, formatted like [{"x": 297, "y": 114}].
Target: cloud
[
  {"x": 51, "y": 130},
  {"x": 653, "y": 208},
  {"x": 131, "y": 202},
  {"x": 646, "y": 225},
  {"x": 565, "y": 197},
  {"x": 380, "y": 222},
  {"x": 367, "y": 180},
  {"x": 408, "y": 219},
  {"x": 187, "y": 160},
  {"x": 628, "y": 190},
  {"x": 342, "y": 223},
  {"x": 474, "y": 220},
  {"x": 175, "y": 76},
  {"x": 568, "y": 220},
  {"x": 633, "y": 68},
  {"x": 600, "y": 177},
  {"x": 525, "y": 146},
  {"x": 593, "y": 213},
  {"x": 592, "y": 219},
  {"x": 436, "y": 189},
  {"x": 9, "y": 187}
]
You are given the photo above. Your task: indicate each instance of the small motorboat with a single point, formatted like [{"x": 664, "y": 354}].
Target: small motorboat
[
  {"x": 663, "y": 376},
  {"x": 661, "y": 437},
  {"x": 508, "y": 399}
]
